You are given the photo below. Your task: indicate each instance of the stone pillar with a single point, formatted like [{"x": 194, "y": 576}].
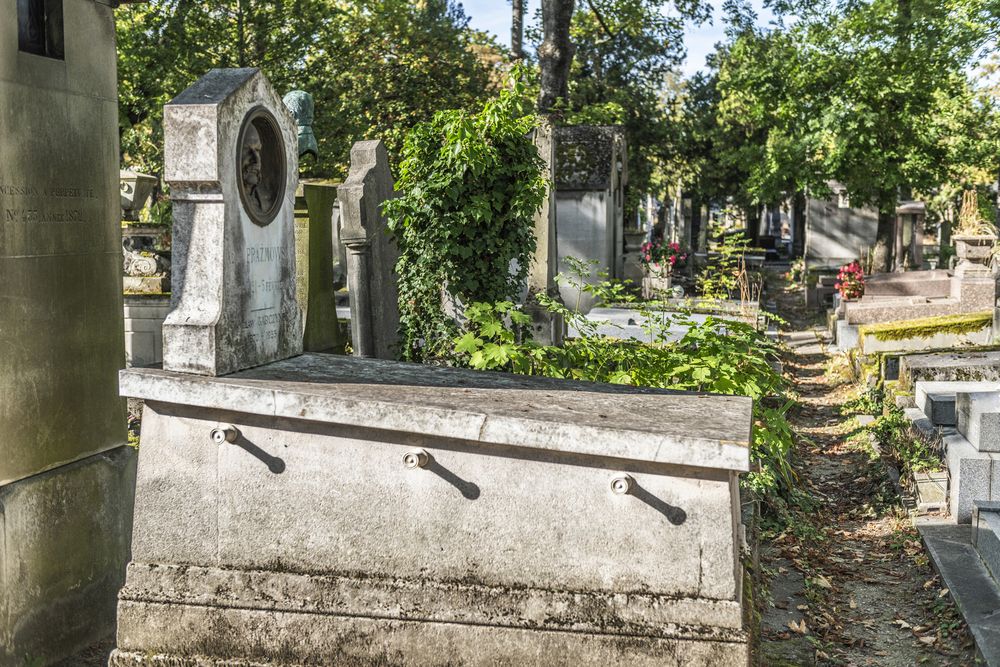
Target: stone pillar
[
  {"x": 316, "y": 283},
  {"x": 547, "y": 328},
  {"x": 66, "y": 475},
  {"x": 231, "y": 159},
  {"x": 371, "y": 252}
]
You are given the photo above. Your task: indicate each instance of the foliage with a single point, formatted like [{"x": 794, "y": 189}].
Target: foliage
[
  {"x": 623, "y": 73},
  {"x": 725, "y": 274},
  {"x": 894, "y": 432},
  {"x": 470, "y": 185},
  {"x": 928, "y": 326},
  {"x": 971, "y": 221},
  {"x": 715, "y": 355},
  {"x": 661, "y": 257},
  {"x": 374, "y": 67},
  {"x": 851, "y": 281}
]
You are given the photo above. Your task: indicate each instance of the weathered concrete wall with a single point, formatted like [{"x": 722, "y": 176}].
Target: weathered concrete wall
[
  {"x": 835, "y": 235},
  {"x": 144, "y": 317},
  {"x": 63, "y": 532},
  {"x": 307, "y": 540},
  {"x": 64, "y": 542}
]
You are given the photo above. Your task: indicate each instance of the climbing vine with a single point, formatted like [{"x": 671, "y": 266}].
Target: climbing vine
[{"x": 471, "y": 184}]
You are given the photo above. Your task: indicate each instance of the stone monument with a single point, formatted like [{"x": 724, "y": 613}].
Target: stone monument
[
  {"x": 66, "y": 475},
  {"x": 317, "y": 236},
  {"x": 231, "y": 159},
  {"x": 547, "y": 328},
  {"x": 335, "y": 510},
  {"x": 371, "y": 252}
]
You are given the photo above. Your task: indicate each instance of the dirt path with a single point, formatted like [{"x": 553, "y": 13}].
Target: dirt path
[{"x": 850, "y": 582}]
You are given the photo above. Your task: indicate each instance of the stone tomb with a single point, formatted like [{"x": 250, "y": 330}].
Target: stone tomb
[
  {"x": 66, "y": 474},
  {"x": 328, "y": 510},
  {"x": 231, "y": 159}
]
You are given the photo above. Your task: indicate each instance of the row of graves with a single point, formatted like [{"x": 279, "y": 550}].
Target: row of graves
[
  {"x": 929, "y": 338},
  {"x": 287, "y": 506}
]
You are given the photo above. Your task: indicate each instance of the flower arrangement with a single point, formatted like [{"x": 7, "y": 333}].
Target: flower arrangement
[
  {"x": 851, "y": 281},
  {"x": 660, "y": 258}
]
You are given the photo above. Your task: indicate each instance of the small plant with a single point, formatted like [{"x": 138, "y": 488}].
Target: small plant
[
  {"x": 971, "y": 221},
  {"x": 894, "y": 433},
  {"x": 726, "y": 269},
  {"x": 660, "y": 258},
  {"x": 851, "y": 281}
]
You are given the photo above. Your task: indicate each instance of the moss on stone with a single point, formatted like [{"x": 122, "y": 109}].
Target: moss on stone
[{"x": 928, "y": 326}]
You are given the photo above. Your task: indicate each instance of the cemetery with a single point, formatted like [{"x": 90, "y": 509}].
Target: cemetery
[{"x": 353, "y": 332}]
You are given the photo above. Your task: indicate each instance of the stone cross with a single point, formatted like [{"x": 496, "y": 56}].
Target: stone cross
[
  {"x": 371, "y": 252},
  {"x": 231, "y": 159},
  {"x": 547, "y": 328}
]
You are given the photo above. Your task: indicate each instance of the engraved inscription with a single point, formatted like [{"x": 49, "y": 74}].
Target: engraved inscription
[
  {"x": 30, "y": 204},
  {"x": 263, "y": 323}
]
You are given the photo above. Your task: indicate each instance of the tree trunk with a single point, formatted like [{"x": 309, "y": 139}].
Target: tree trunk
[
  {"x": 555, "y": 53},
  {"x": 799, "y": 225},
  {"x": 885, "y": 239},
  {"x": 517, "y": 30},
  {"x": 752, "y": 223}
]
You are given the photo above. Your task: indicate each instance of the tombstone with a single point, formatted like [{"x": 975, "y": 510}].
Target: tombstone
[
  {"x": 326, "y": 509},
  {"x": 837, "y": 233},
  {"x": 591, "y": 174},
  {"x": 317, "y": 222},
  {"x": 316, "y": 228},
  {"x": 66, "y": 475},
  {"x": 231, "y": 159},
  {"x": 371, "y": 252},
  {"x": 547, "y": 327},
  {"x": 908, "y": 235}
]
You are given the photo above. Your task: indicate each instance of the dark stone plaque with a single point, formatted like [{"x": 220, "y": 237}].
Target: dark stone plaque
[{"x": 261, "y": 155}]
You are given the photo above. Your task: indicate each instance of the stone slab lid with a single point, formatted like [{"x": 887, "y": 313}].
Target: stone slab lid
[{"x": 647, "y": 425}]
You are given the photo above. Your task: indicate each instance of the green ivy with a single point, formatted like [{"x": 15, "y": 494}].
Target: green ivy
[
  {"x": 715, "y": 356},
  {"x": 471, "y": 185}
]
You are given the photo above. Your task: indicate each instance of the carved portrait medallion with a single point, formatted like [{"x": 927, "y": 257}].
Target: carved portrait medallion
[{"x": 261, "y": 162}]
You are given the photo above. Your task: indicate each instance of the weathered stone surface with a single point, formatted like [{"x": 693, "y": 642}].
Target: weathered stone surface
[
  {"x": 978, "y": 418},
  {"x": 230, "y": 157},
  {"x": 144, "y": 316},
  {"x": 973, "y": 476},
  {"x": 939, "y": 341},
  {"x": 547, "y": 328},
  {"x": 313, "y": 542},
  {"x": 316, "y": 281},
  {"x": 836, "y": 233},
  {"x": 591, "y": 175},
  {"x": 64, "y": 541},
  {"x": 936, "y": 283},
  {"x": 371, "y": 252},
  {"x": 61, "y": 336},
  {"x": 937, "y": 399},
  {"x": 949, "y": 366}
]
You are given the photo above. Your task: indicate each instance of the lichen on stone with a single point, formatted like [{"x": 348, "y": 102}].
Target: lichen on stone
[{"x": 928, "y": 326}]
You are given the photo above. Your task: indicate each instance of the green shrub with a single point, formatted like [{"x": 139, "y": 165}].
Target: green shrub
[
  {"x": 714, "y": 356},
  {"x": 470, "y": 185}
]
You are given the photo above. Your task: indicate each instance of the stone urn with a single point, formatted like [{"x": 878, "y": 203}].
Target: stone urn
[
  {"x": 656, "y": 281},
  {"x": 135, "y": 190},
  {"x": 973, "y": 252}
]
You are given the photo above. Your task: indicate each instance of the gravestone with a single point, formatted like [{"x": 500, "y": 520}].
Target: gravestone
[
  {"x": 317, "y": 222},
  {"x": 547, "y": 327},
  {"x": 231, "y": 159},
  {"x": 591, "y": 174},
  {"x": 66, "y": 475},
  {"x": 371, "y": 252}
]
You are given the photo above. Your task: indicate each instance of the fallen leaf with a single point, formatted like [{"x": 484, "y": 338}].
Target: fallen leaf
[
  {"x": 854, "y": 604},
  {"x": 930, "y": 639},
  {"x": 928, "y": 584},
  {"x": 944, "y": 591},
  {"x": 803, "y": 607},
  {"x": 902, "y": 624},
  {"x": 820, "y": 580}
]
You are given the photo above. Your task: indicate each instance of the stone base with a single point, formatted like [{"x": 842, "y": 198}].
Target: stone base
[
  {"x": 64, "y": 537},
  {"x": 190, "y": 616},
  {"x": 146, "y": 284},
  {"x": 144, "y": 316}
]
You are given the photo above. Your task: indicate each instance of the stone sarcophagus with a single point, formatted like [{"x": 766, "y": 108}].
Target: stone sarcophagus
[{"x": 329, "y": 510}]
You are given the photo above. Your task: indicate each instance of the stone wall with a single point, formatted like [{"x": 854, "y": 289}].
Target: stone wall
[{"x": 144, "y": 317}]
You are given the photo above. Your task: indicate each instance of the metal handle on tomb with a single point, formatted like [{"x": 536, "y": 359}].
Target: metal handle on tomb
[
  {"x": 622, "y": 484},
  {"x": 224, "y": 434},
  {"x": 416, "y": 458}
]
